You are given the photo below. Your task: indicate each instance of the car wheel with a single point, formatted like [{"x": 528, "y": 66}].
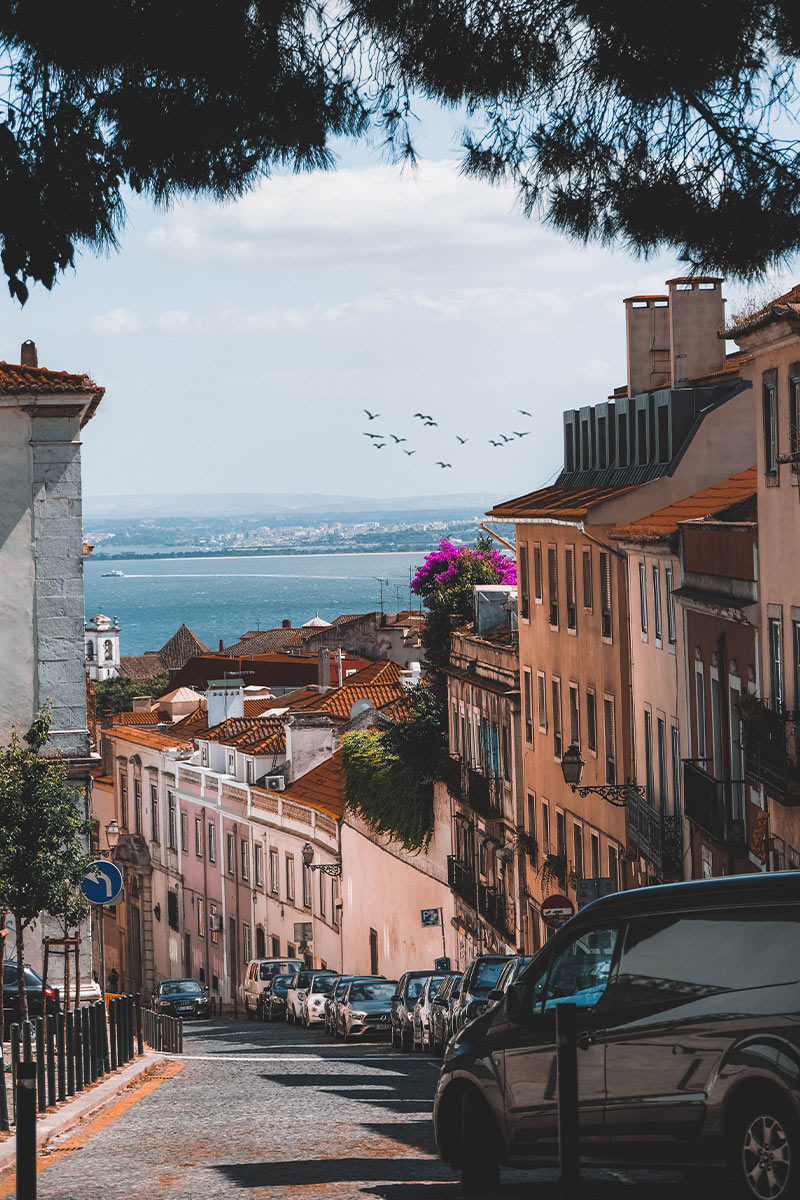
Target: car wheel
[
  {"x": 347, "y": 1037},
  {"x": 251, "y": 1016},
  {"x": 394, "y": 1040},
  {"x": 480, "y": 1165},
  {"x": 406, "y": 1040},
  {"x": 765, "y": 1149}
]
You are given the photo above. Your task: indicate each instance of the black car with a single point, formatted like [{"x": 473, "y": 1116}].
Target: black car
[
  {"x": 365, "y": 1008},
  {"x": 403, "y": 1001},
  {"x": 510, "y": 972},
  {"x": 687, "y": 999},
  {"x": 478, "y": 981},
  {"x": 274, "y": 1004},
  {"x": 441, "y": 1012},
  {"x": 181, "y": 998},
  {"x": 33, "y": 987}
]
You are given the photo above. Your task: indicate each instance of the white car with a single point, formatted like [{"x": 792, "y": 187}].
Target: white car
[
  {"x": 313, "y": 1004},
  {"x": 256, "y": 975}
]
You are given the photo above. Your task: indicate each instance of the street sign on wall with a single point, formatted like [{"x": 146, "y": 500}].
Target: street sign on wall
[
  {"x": 588, "y": 890},
  {"x": 557, "y": 910},
  {"x": 430, "y": 916},
  {"x": 102, "y": 883}
]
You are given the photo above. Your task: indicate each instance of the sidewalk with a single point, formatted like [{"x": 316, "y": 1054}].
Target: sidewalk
[{"x": 57, "y": 1121}]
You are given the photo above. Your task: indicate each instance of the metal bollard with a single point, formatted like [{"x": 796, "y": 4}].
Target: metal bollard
[
  {"x": 104, "y": 1038},
  {"x": 60, "y": 1063},
  {"x": 99, "y": 1016},
  {"x": 77, "y": 1043},
  {"x": 130, "y": 1029},
  {"x": 4, "y": 1124},
  {"x": 14, "y": 1065},
  {"x": 112, "y": 1032},
  {"x": 26, "y": 1131},
  {"x": 123, "y": 1032},
  {"x": 27, "y": 1041},
  {"x": 69, "y": 1030},
  {"x": 569, "y": 1146},
  {"x": 87, "y": 1045},
  {"x": 50, "y": 1051},
  {"x": 139, "y": 1033},
  {"x": 120, "y": 1033},
  {"x": 40, "y": 1065}
]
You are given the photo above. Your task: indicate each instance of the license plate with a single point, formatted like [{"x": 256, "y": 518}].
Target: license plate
[{"x": 184, "y": 1007}]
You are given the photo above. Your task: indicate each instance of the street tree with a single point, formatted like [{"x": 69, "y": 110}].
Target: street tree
[
  {"x": 647, "y": 126},
  {"x": 42, "y": 835}
]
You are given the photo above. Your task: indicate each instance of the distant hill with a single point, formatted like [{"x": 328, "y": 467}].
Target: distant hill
[{"x": 228, "y": 504}]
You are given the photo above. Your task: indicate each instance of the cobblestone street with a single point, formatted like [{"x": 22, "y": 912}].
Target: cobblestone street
[{"x": 270, "y": 1110}]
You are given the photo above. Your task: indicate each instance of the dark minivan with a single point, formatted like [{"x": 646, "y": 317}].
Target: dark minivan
[{"x": 688, "y": 999}]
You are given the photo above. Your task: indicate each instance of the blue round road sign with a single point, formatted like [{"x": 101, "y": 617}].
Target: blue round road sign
[{"x": 102, "y": 882}]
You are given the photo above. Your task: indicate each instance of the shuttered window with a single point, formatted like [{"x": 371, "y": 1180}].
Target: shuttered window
[
  {"x": 537, "y": 572},
  {"x": 588, "y": 590},
  {"x": 643, "y": 598},
  {"x": 558, "y": 747},
  {"x": 552, "y": 584},
  {"x": 524, "y": 594},
  {"x": 591, "y": 721},
  {"x": 609, "y": 724},
  {"x": 605, "y": 594},
  {"x": 572, "y": 597},
  {"x": 574, "y": 716},
  {"x": 528, "y": 706},
  {"x": 542, "y": 698}
]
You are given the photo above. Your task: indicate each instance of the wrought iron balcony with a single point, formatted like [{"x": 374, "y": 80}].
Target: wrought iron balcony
[
  {"x": 707, "y": 804},
  {"x": 484, "y": 793},
  {"x": 461, "y": 879},
  {"x": 643, "y": 828},
  {"x": 494, "y": 907},
  {"x": 452, "y": 775},
  {"x": 772, "y": 752}
]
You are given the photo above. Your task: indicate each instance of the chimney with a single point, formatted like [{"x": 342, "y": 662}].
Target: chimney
[
  {"x": 647, "y": 331},
  {"x": 142, "y": 703},
  {"x": 323, "y": 669},
  {"x": 286, "y": 623},
  {"x": 221, "y": 647},
  {"x": 696, "y": 314},
  {"x": 339, "y": 668},
  {"x": 27, "y": 355},
  {"x": 224, "y": 699}
]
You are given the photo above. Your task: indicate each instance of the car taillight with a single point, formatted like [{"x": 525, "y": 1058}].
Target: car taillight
[{"x": 48, "y": 991}]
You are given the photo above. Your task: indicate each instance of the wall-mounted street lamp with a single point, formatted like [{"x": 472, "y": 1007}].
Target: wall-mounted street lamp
[
  {"x": 157, "y": 911},
  {"x": 113, "y": 833},
  {"x": 615, "y": 793},
  {"x": 334, "y": 869}
]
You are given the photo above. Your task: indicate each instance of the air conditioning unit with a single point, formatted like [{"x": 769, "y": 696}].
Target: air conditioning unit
[
  {"x": 275, "y": 783},
  {"x": 215, "y": 923}
]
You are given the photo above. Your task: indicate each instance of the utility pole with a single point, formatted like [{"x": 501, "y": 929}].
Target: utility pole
[{"x": 383, "y": 583}]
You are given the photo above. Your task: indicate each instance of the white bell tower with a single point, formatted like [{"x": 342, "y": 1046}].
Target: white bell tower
[{"x": 101, "y": 647}]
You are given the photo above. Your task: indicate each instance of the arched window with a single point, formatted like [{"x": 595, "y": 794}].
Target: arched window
[
  {"x": 261, "y": 944},
  {"x": 108, "y": 647},
  {"x": 90, "y": 650}
]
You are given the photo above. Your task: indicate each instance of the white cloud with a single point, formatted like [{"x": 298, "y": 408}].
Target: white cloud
[{"x": 115, "y": 321}]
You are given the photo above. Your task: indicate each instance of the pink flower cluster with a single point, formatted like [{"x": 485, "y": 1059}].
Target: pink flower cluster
[{"x": 444, "y": 567}]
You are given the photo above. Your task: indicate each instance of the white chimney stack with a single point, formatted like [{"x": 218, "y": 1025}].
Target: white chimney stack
[{"x": 225, "y": 699}]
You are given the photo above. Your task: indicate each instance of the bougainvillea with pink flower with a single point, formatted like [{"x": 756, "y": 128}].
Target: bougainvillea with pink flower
[{"x": 452, "y": 567}]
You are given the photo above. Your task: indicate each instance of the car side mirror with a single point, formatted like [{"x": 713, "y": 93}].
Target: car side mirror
[
  {"x": 440, "y": 1000},
  {"x": 519, "y": 1004},
  {"x": 395, "y": 998},
  {"x": 474, "y": 1009},
  {"x": 496, "y": 994}
]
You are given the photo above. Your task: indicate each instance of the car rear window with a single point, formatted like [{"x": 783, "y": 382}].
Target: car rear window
[
  {"x": 487, "y": 975},
  {"x": 675, "y": 959}
]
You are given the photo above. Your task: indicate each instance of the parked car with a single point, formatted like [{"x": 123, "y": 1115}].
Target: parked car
[
  {"x": 366, "y": 1008},
  {"x": 337, "y": 989},
  {"x": 422, "y": 1014},
  {"x": 337, "y": 1022},
  {"x": 479, "y": 979},
  {"x": 441, "y": 1011},
  {"x": 181, "y": 998},
  {"x": 298, "y": 988},
  {"x": 687, "y": 1000},
  {"x": 273, "y": 1004},
  {"x": 33, "y": 987},
  {"x": 510, "y": 972},
  {"x": 312, "y": 1009},
  {"x": 256, "y": 974},
  {"x": 408, "y": 990}
]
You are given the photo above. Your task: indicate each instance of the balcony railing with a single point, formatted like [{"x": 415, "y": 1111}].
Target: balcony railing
[
  {"x": 772, "y": 753},
  {"x": 452, "y": 776},
  {"x": 493, "y": 906},
  {"x": 643, "y": 828},
  {"x": 706, "y": 803},
  {"x": 461, "y": 879},
  {"x": 484, "y": 793}
]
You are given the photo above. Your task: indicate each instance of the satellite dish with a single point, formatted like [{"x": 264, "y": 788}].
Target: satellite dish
[{"x": 361, "y": 706}]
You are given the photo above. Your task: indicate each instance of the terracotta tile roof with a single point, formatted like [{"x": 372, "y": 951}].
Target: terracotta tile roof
[
  {"x": 172, "y": 656},
  {"x": 153, "y": 739},
  {"x": 709, "y": 501},
  {"x": 148, "y": 717},
  {"x": 193, "y": 724},
  {"x": 259, "y": 704},
  {"x": 140, "y": 667},
  {"x": 251, "y": 735},
  {"x": 17, "y": 380},
  {"x": 103, "y": 780},
  {"x": 559, "y": 503},
  {"x": 386, "y": 670},
  {"x": 733, "y": 366},
  {"x": 267, "y": 670},
  {"x": 785, "y": 307},
  {"x": 265, "y": 641},
  {"x": 322, "y": 788}
]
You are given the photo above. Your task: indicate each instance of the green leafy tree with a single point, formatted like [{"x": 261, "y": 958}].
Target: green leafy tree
[
  {"x": 42, "y": 835},
  {"x": 116, "y": 695}
]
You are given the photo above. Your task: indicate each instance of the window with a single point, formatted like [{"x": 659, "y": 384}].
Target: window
[
  {"x": 552, "y": 584},
  {"x": 258, "y": 863},
  {"x": 580, "y": 973},
  {"x": 531, "y": 814},
  {"x": 89, "y": 650},
  {"x": 249, "y": 771},
  {"x": 542, "y": 699},
  {"x": 289, "y": 877},
  {"x": 737, "y": 751},
  {"x": 558, "y": 746},
  {"x": 609, "y": 727},
  {"x": 574, "y": 715},
  {"x": 676, "y": 770},
  {"x": 231, "y": 762},
  {"x": 273, "y": 871},
  {"x": 613, "y": 866},
  {"x": 214, "y": 923},
  {"x": 245, "y": 942},
  {"x": 528, "y": 706},
  {"x": 201, "y": 917},
  {"x": 670, "y": 606},
  {"x": 172, "y": 832},
  {"x": 322, "y": 892},
  {"x": 198, "y": 837},
  {"x": 769, "y": 403},
  {"x": 657, "y": 633},
  {"x": 606, "y": 622},
  {"x": 212, "y": 842},
  {"x": 591, "y": 721},
  {"x": 775, "y": 637},
  {"x": 229, "y": 854},
  {"x": 524, "y": 594},
  {"x": 594, "y": 850},
  {"x": 506, "y": 752},
  {"x": 661, "y": 739},
  {"x": 700, "y": 709},
  {"x": 123, "y": 800},
  {"x": 561, "y": 834},
  {"x": 588, "y": 591},
  {"x": 643, "y": 598},
  {"x": 306, "y": 886},
  {"x": 108, "y": 650},
  {"x": 334, "y": 902},
  {"x": 648, "y": 754},
  {"x": 204, "y": 754},
  {"x": 572, "y": 590},
  {"x": 577, "y": 850},
  {"x": 537, "y": 573},
  {"x": 545, "y": 827},
  {"x": 154, "y": 823},
  {"x": 244, "y": 853},
  {"x": 184, "y": 833},
  {"x": 172, "y": 909},
  {"x": 275, "y": 944},
  {"x": 137, "y": 805},
  {"x": 291, "y": 950},
  {"x": 794, "y": 413},
  {"x": 796, "y": 652},
  {"x": 716, "y": 727}
]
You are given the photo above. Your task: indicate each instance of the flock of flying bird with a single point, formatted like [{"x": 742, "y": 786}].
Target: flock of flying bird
[{"x": 379, "y": 441}]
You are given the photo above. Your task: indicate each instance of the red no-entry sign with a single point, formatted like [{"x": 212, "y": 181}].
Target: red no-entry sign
[{"x": 556, "y": 910}]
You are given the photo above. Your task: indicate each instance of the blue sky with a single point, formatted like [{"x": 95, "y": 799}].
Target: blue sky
[{"x": 238, "y": 344}]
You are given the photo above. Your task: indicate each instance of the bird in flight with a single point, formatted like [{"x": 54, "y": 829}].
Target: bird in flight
[
  {"x": 409, "y": 452},
  {"x": 424, "y": 416},
  {"x": 371, "y": 416},
  {"x": 492, "y": 442},
  {"x": 516, "y": 434},
  {"x": 373, "y": 435},
  {"x": 443, "y": 465},
  {"x": 506, "y": 439},
  {"x": 429, "y": 423},
  {"x": 524, "y": 412},
  {"x": 462, "y": 440},
  {"x": 379, "y": 445},
  {"x": 396, "y": 439}
]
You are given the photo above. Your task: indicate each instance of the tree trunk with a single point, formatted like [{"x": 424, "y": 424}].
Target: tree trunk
[{"x": 23, "y": 991}]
